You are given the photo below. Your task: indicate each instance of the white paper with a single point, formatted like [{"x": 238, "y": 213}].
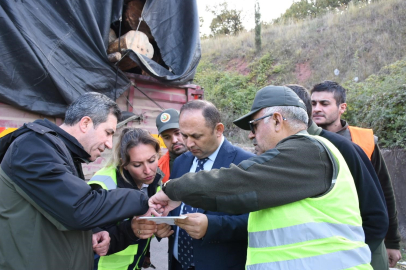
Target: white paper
[{"x": 167, "y": 220}]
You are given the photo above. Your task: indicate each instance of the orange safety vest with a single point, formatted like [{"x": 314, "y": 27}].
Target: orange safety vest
[
  {"x": 364, "y": 137},
  {"x": 163, "y": 164}
]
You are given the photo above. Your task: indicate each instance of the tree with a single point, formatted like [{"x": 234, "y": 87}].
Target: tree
[
  {"x": 258, "y": 41},
  {"x": 226, "y": 21},
  {"x": 301, "y": 10},
  {"x": 201, "y": 21},
  {"x": 312, "y": 8}
]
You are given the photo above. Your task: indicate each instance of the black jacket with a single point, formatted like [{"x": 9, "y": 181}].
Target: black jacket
[{"x": 46, "y": 208}]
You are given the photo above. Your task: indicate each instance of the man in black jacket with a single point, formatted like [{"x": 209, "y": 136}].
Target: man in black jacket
[{"x": 47, "y": 210}]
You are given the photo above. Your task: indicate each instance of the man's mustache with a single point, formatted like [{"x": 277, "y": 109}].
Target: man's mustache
[
  {"x": 177, "y": 144},
  {"x": 319, "y": 115}
]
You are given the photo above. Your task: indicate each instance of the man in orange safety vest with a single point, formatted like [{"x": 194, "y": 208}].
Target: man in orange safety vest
[
  {"x": 167, "y": 124},
  {"x": 328, "y": 104}
]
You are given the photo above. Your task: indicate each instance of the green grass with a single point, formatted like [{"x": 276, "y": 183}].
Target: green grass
[{"x": 359, "y": 42}]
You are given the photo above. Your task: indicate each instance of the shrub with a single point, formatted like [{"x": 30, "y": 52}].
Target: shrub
[
  {"x": 379, "y": 103},
  {"x": 230, "y": 92}
]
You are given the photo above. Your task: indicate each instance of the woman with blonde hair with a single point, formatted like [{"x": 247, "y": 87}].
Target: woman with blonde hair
[{"x": 134, "y": 165}]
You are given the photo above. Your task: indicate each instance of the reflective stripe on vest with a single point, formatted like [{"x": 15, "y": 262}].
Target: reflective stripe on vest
[
  {"x": 324, "y": 232},
  {"x": 304, "y": 232},
  {"x": 364, "y": 137},
  {"x": 105, "y": 181},
  {"x": 332, "y": 261}
]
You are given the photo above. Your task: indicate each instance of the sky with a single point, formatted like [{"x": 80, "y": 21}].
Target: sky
[{"x": 270, "y": 9}]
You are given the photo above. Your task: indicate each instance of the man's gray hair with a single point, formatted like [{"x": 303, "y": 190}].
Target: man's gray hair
[
  {"x": 94, "y": 105},
  {"x": 296, "y": 116}
]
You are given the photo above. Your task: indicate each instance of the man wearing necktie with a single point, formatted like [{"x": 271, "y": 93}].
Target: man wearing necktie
[{"x": 206, "y": 240}]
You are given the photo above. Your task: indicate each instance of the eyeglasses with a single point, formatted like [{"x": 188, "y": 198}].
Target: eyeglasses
[{"x": 253, "y": 126}]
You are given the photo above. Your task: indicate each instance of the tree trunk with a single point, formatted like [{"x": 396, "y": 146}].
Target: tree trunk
[
  {"x": 112, "y": 36},
  {"x": 132, "y": 17},
  {"x": 133, "y": 40},
  {"x": 114, "y": 57}
]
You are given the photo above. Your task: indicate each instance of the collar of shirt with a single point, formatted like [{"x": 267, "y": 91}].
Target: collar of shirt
[
  {"x": 209, "y": 164},
  {"x": 303, "y": 132},
  {"x": 344, "y": 125},
  {"x": 344, "y": 131},
  {"x": 314, "y": 129}
]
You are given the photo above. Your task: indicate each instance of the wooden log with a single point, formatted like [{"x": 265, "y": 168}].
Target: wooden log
[
  {"x": 133, "y": 40},
  {"x": 132, "y": 17},
  {"x": 126, "y": 63},
  {"x": 112, "y": 36},
  {"x": 114, "y": 57},
  {"x": 131, "y": 20}
]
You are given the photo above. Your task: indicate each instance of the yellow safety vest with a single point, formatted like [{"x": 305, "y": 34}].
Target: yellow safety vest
[
  {"x": 107, "y": 179},
  {"x": 324, "y": 232}
]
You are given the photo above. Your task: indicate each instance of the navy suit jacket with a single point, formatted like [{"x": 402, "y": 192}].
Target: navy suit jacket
[{"x": 225, "y": 244}]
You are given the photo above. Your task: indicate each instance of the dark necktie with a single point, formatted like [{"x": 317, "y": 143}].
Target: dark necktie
[{"x": 185, "y": 244}]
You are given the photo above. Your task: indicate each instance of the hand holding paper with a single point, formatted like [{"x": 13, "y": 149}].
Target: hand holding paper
[{"x": 195, "y": 225}]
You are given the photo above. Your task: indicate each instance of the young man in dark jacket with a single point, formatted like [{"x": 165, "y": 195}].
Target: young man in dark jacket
[
  {"x": 329, "y": 103},
  {"x": 47, "y": 210}
]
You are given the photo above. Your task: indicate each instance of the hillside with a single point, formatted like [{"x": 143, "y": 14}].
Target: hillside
[{"x": 359, "y": 42}]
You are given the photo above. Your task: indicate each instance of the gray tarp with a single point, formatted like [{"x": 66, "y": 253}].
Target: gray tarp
[
  {"x": 175, "y": 27},
  {"x": 54, "y": 51}
]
